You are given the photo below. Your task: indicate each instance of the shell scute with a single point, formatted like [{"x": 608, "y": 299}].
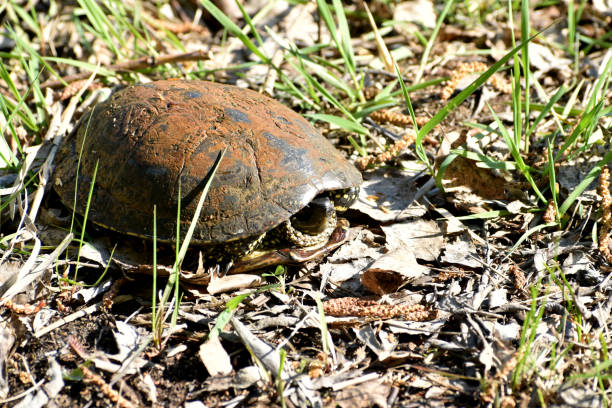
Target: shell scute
[{"x": 147, "y": 139}]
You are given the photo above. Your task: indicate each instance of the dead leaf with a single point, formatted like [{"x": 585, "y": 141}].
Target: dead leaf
[
  {"x": 367, "y": 336},
  {"x": 424, "y": 238},
  {"x": 486, "y": 356},
  {"x": 246, "y": 377},
  {"x": 461, "y": 251},
  {"x": 48, "y": 391},
  {"x": 464, "y": 177},
  {"x": 468, "y": 181},
  {"x": 507, "y": 332},
  {"x": 148, "y": 387},
  {"x": 541, "y": 57},
  {"x": 127, "y": 339},
  {"x": 364, "y": 395},
  {"x": 497, "y": 298},
  {"x": 88, "y": 293},
  {"x": 231, "y": 283},
  {"x": 392, "y": 270},
  {"x": 420, "y": 13},
  {"x": 345, "y": 265},
  {"x": 214, "y": 357},
  {"x": 571, "y": 174},
  {"x": 387, "y": 195}
]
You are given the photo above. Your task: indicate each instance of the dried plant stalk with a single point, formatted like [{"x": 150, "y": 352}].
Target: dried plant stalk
[
  {"x": 97, "y": 380},
  {"x": 518, "y": 277},
  {"x": 352, "y": 306},
  {"x": 606, "y": 214},
  {"x": 24, "y": 309},
  {"x": 466, "y": 68},
  {"x": 394, "y": 150}
]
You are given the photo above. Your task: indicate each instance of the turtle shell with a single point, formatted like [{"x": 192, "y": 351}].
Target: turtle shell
[{"x": 151, "y": 141}]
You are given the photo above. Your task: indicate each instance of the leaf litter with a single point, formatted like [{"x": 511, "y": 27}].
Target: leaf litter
[{"x": 451, "y": 291}]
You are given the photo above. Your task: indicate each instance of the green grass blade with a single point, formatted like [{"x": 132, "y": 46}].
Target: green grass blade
[
  {"x": 552, "y": 177},
  {"x": 30, "y": 52},
  {"x": 85, "y": 216},
  {"x": 447, "y": 6},
  {"x": 250, "y": 23},
  {"x": 85, "y": 66},
  {"x": 526, "y": 235},
  {"x": 225, "y": 316},
  {"x": 545, "y": 110},
  {"x": 154, "y": 328},
  {"x": 328, "y": 19},
  {"x": 516, "y": 155},
  {"x": 420, "y": 149},
  {"x": 209, "y": 178},
  {"x": 373, "y": 106},
  {"x": 585, "y": 122},
  {"x": 485, "y": 160},
  {"x": 230, "y": 26},
  {"x": 172, "y": 285},
  {"x": 345, "y": 37},
  {"x": 526, "y": 72},
  {"x": 346, "y": 124},
  {"x": 328, "y": 77},
  {"x": 102, "y": 25}
]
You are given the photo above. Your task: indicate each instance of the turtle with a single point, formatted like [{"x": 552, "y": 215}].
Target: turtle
[{"x": 280, "y": 183}]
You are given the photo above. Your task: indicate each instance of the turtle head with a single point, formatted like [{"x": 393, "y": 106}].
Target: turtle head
[{"x": 344, "y": 198}]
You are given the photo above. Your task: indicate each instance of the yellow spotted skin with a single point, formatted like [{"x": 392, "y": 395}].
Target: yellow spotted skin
[
  {"x": 285, "y": 235},
  {"x": 344, "y": 198},
  {"x": 231, "y": 250}
]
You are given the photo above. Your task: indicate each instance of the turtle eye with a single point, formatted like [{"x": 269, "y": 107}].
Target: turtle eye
[{"x": 344, "y": 198}]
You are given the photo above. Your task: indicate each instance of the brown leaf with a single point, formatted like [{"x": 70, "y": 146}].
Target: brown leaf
[
  {"x": 424, "y": 238},
  {"x": 214, "y": 357},
  {"x": 392, "y": 270},
  {"x": 231, "y": 283},
  {"x": 368, "y": 394}
]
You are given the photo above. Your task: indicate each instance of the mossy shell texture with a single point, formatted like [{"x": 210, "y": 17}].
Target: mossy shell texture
[{"x": 148, "y": 139}]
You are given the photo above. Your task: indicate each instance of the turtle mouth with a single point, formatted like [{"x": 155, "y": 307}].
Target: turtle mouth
[
  {"x": 314, "y": 218},
  {"x": 314, "y": 224},
  {"x": 298, "y": 238}
]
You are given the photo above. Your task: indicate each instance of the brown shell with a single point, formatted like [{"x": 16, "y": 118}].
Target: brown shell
[{"x": 145, "y": 138}]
